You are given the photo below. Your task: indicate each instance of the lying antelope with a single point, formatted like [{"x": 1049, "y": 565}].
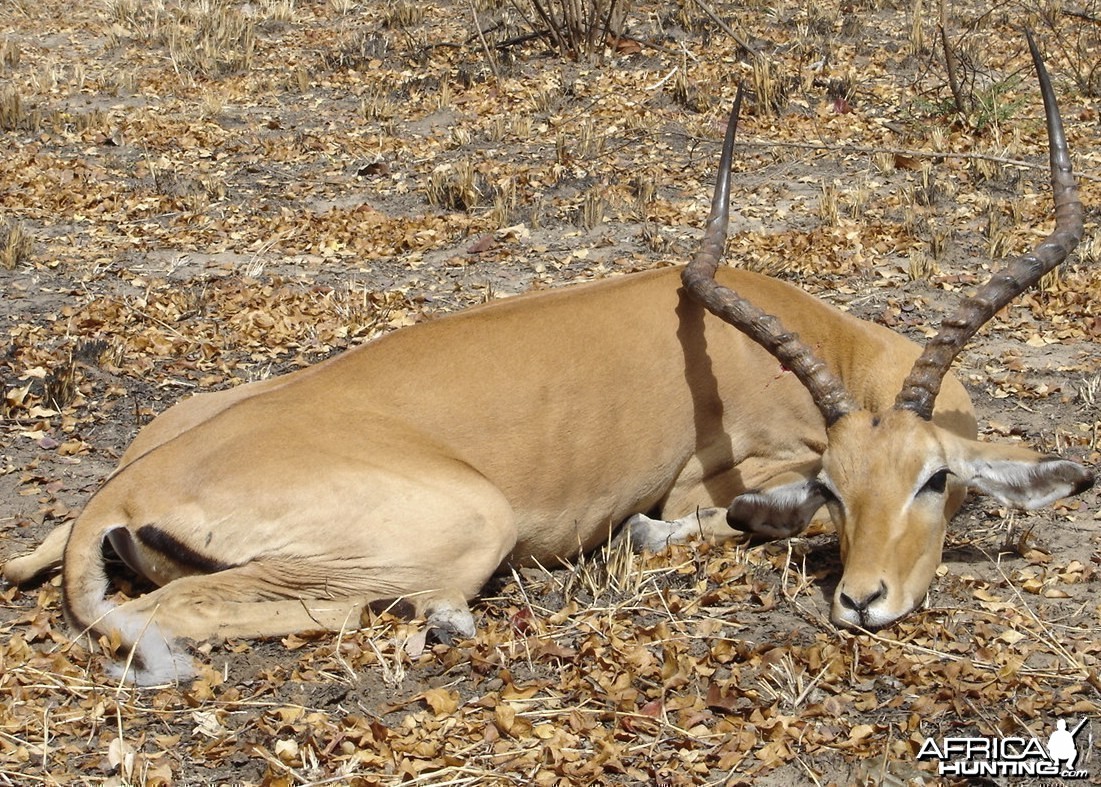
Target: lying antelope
[{"x": 413, "y": 467}]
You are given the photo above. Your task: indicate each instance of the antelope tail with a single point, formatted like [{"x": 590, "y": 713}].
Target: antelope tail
[{"x": 146, "y": 656}]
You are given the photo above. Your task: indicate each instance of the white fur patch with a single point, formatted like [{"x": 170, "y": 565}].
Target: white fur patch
[
  {"x": 652, "y": 534},
  {"x": 155, "y": 660},
  {"x": 459, "y": 622}
]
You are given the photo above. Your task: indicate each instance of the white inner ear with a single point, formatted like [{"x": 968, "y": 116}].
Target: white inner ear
[{"x": 1025, "y": 483}]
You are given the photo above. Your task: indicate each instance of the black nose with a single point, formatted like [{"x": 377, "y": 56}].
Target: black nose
[{"x": 861, "y": 604}]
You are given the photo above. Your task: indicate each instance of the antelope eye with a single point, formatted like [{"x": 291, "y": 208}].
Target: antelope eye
[{"x": 936, "y": 483}]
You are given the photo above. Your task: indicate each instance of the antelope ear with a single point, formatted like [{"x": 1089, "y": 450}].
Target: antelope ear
[
  {"x": 1018, "y": 477},
  {"x": 779, "y": 511}
]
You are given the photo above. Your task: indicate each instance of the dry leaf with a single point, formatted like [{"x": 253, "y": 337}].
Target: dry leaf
[{"x": 442, "y": 701}]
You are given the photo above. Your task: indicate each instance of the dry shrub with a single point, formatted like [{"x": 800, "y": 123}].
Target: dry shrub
[
  {"x": 16, "y": 245},
  {"x": 575, "y": 28},
  {"x": 206, "y": 38}
]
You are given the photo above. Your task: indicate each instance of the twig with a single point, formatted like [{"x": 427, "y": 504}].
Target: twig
[
  {"x": 607, "y": 27},
  {"x": 523, "y": 38},
  {"x": 707, "y": 9},
  {"x": 45, "y": 739},
  {"x": 1052, "y": 641},
  {"x": 1085, "y": 17},
  {"x": 273, "y": 760},
  {"x": 810, "y": 772},
  {"x": 950, "y": 59},
  {"x": 985, "y": 666},
  {"x": 950, "y": 67},
  {"x": 22, "y": 777},
  {"x": 845, "y": 148},
  {"x": 482, "y": 39},
  {"x": 339, "y": 641},
  {"x": 552, "y": 25},
  {"x": 663, "y": 80}
]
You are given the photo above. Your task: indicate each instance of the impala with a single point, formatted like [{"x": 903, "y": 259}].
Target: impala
[{"x": 415, "y": 466}]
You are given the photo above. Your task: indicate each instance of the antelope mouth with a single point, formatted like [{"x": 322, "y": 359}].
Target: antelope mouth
[{"x": 869, "y": 611}]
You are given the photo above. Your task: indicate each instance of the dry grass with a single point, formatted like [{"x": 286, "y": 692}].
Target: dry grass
[{"x": 16, "y": 246}]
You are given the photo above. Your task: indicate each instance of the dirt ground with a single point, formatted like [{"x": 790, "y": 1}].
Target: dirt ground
[{"x": 198, "y": 194}]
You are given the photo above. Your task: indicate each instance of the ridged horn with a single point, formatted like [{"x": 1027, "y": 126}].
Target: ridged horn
[
  {"x": 829, "y": 395},
  {"x": 919, "y": 391}
]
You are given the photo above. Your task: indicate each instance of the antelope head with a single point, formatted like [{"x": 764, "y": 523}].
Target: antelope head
[{"x": 892, "y": 479}]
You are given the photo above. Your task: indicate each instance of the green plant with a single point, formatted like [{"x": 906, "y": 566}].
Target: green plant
[{"x": 983, "y": 108}]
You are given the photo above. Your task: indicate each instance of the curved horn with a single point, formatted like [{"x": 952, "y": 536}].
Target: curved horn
[
  {"x": 919, "y": 391},
  {"x": 830, "y": 396}
]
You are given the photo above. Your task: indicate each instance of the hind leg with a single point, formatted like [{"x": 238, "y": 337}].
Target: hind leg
[
  {"x": 434, "y": 558},
  {"x": 325, "y": 583},
  {"x": 244, "y": 603},
  {"x": 240, "y": 603}
]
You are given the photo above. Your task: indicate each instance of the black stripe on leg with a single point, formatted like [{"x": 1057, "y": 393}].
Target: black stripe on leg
[
  {"x": 398, "y": 607},
  {"x": 167, "y": 544}
]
